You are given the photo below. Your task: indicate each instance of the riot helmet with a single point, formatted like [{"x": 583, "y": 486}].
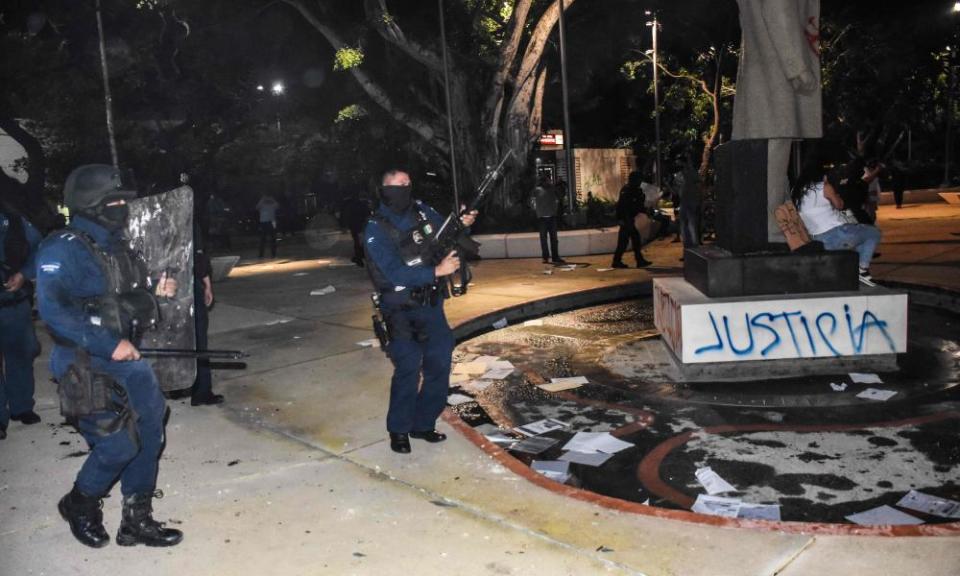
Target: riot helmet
[{"x": 90, "y": 189}]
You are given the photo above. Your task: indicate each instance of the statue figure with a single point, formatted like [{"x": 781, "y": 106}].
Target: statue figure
[{"x": 778, "y": 86}]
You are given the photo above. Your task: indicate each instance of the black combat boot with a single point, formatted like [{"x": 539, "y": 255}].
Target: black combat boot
[
  {"x": 138, "y": 526},
  {"x": 85, "y": 517}
]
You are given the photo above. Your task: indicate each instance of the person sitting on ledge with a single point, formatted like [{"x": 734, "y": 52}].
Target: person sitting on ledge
[{"x": 818, "y": 200}]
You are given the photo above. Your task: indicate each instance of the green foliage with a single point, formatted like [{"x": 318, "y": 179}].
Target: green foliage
[
  {"x": 347, "y": 58},
  {"x": 351, "y": 112}
]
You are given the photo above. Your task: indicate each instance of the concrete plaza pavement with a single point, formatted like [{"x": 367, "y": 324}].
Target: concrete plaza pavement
[{"x": 293, "y": 475}]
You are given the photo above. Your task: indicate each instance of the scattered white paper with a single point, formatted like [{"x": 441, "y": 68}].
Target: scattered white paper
[
  {"x": 556, "y": 470},
  {"x": 537, "y": 322},
  {"x": 604, "y": 269},
  {"x": 323, "y": 291},
  {"x": 500, "y": 365},
  {"x": 458, "y": 399},
  {"x": 534, "y": 445},
  {"x": 930, "y": 504},
  {"x": 476, "y": 385},
  {"x": 567, "y": 268},
  {"x": 371, "y": 343},
  {"x": 589, "y": 442},
  {"x": 474, "y": 368},
  {"x": 865, "y": 378},
  {"x": 458, "y": 378},
  {"x": 560, "y": 387},
  {"x": 500, "y": 439},
  {"x": 541, "y": 427},
  {"x": 838, "y": 387},
  {"x": 877, "y": 394},
  {"x": 560, "y": 384},
  {"x": 587, "y": 459},
  {"x": 485, "y": 360},
  {"x": 759, "y": 511},
  {"x": 548, "y": 272},
  {"x": 497, "y": 374},
  {"x": 301, "y": 273},
  {"x": 500, "y": 324},
  {"x": 712, "y": 481},
  {"x": 717, "y": 506},
  {"x": 883, "y": 516}
]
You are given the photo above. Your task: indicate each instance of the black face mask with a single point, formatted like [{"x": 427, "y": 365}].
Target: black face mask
[
  {"x": 113, "y": 218},
  {"x": 397, "y": 198}
]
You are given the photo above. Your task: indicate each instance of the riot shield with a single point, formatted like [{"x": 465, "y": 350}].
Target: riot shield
[{"x": 161, "y": 230}]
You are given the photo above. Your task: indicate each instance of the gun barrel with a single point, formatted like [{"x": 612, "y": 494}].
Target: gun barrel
[{"x": 187, "y": 353}]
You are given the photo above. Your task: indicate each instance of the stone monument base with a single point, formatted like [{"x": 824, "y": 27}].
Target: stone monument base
[
  {"x": 718, "y": 273},
  {"x": 779, "y": 336}
]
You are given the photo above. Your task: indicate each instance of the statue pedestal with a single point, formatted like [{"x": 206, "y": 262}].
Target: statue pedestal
[
  {"x": 718, "y": 273},
  {"x": 778, "y": 335}
]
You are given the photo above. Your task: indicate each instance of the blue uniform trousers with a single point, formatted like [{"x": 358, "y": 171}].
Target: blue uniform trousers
[
  {"x": 18, "y": 348},
  {"x": 416, "y": 407},
  {"x": 133, "y": 458}
]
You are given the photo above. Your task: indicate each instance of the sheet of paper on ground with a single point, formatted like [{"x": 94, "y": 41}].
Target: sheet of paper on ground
[
  {"x": 540, "y": 427},
  {"x": 883, "y": 516},
  {"x": 590, "y": 442},
  {"x": 712, "y": 481},
  {"x": 556, "y": 470},
  {"x": 930, "y": 504}
]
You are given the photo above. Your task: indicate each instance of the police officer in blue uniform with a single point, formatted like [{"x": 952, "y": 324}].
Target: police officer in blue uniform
[
  {"x": 93, "y": 293},
  {"x": 18, "y": 341},
  {"x": 410, "y": 293}
]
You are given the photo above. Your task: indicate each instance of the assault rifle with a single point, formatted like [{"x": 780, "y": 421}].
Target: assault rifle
[{"x": 453, "y": 235}]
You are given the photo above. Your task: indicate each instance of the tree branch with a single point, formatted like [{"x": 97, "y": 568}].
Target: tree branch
[
  {"x": 376, "y": 93},
  {"x": 386, "y": 25}
]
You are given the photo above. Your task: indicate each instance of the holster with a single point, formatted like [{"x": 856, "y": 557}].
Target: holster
[{"x": 94, "y": 397}]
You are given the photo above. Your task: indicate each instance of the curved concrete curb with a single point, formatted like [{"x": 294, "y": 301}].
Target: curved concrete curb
[
  {"x": 527, "y": 244},
  {"x": 483, "y": 323}
]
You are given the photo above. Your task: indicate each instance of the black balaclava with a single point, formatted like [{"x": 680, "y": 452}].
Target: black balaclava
[
  {"x": 397, "y": 198},
  {"x": 113, "y": 218}
]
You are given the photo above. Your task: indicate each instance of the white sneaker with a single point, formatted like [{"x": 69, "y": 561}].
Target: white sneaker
[{"x": 866, "y": 280}]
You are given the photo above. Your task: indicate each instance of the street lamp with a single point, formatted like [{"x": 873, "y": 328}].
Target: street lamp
[{"x": 655, "y": 27}]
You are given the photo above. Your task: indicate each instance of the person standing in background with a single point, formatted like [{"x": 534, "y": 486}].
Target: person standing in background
[
  {"x": 267, "y": 207},
  {"x": 546, "y": 204}
]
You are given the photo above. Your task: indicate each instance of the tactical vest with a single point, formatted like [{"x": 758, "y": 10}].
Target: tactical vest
[
  {"x": 127, "y": 308},
  {"x": 416, "y": 248}
]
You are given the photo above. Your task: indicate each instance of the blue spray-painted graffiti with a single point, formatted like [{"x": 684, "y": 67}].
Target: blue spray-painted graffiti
[{"x": 773, "y": 327}]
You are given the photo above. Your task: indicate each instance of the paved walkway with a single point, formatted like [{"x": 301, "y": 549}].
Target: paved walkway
[{"x": 293, "y": 474}]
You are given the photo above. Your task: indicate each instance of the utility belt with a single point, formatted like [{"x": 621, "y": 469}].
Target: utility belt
[
  {"x": 389, "y": 322},
  {"x": 95, "y": 397}
]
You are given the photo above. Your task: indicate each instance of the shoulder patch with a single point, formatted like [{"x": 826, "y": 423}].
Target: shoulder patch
[{"x": 50, "y": 268}]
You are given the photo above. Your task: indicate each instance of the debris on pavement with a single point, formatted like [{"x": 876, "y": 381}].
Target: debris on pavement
[
  {"x": 712, "y": 481},
  {"x": 717, "y": 506},
  {"x": 556, "y": 470},
  {"x": 328, "y": 289},
  {"x": 883, "y": 516},
  {"x": 930, "y": 504},
  {"x": 865, "y": 378},
  {"x": 560, "y": 384},
  {"x": 541, "y": 427},
  {"x": 591, "y": 442},
  {"x": 500, "y": 324},
  {"x": 371, "y": 343},
  {"x": 877, "y": 394},
  {"x": 458, "y": 399},
  {"x": 534, "y": 445},
  {"x": 537, "y": 322},
  {"x": 838, "y": 387},
  {"x": 769, "y": 512},
  {"x": 587, "y": 459}
]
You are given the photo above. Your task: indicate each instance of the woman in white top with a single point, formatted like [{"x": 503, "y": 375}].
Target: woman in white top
[{"x": 822, "y": 211}]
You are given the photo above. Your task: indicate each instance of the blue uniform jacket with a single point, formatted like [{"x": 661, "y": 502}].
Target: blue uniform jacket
[
  {"x": 68, "y": 274},
  {"x": 29, "y": 268},
  {"x": 385, "y": 254}
]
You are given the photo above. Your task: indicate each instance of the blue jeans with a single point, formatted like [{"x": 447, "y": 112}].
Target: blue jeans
[
  {"x": 133, "y": 458},
  {"x": 860, "y": 237},
  {"x": 427, "y": 347},
  {"x": 18, "y": 348}
]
